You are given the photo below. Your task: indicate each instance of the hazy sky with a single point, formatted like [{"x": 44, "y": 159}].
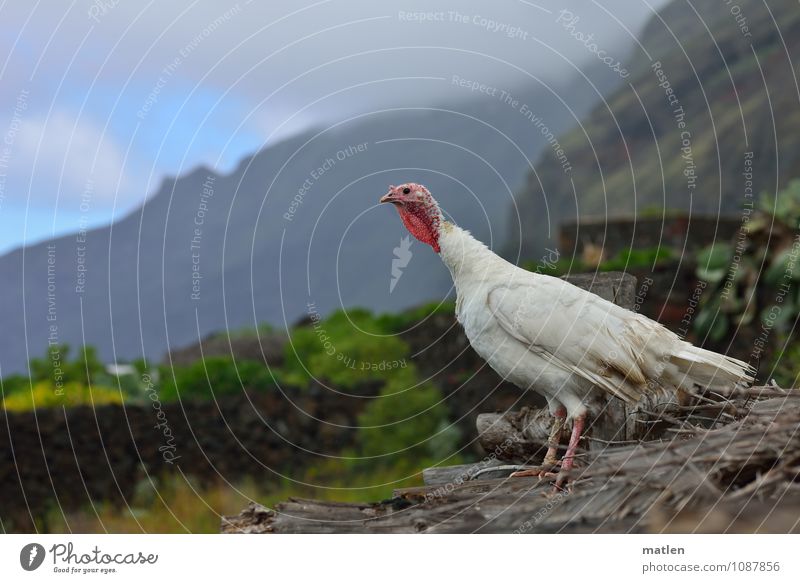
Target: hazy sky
[{"x": 99, "y": 100}]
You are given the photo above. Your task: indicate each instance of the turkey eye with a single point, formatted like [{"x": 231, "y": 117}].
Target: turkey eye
[{"x": 406, "y": 190}]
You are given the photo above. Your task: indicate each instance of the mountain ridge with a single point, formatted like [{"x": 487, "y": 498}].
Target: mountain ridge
[
  {"x": 731, "y": 76},
  {"x": 154, "y": 282}
]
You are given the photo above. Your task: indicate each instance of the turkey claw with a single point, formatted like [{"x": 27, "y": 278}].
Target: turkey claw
[{"x": 541, "y": 473}]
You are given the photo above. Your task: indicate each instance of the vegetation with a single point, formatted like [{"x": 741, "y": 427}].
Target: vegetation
[
  {"x": 626, "y": 260},
  {"x": 754, "y": 280},
  {"x": 174, "y": 504},
  {"x": 345, "y": 349},
  {"x": 405, "y": 428},
  {"x": 214, "y": 377},
  {"x": 46, "y": 394}
]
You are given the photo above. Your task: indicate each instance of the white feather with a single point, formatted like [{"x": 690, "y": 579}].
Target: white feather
[{"x": 543, "y": 333}]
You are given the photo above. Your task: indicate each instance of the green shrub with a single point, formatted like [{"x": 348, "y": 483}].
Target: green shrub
[
  {"x": 400, "y": 321},
  {"x": 44, "y": 394},
  {"x": 85, "y": 368},
  {"x": 345, "y": 349},
  {"x": 406, "y": 425},
  {"x": 214, "y": 377}
]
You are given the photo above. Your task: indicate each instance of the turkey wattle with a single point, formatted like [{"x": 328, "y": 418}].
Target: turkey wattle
[{"x": 545, "y": 334}]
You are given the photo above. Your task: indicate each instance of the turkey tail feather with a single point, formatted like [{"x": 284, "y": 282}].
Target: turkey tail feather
[{"x": 706, "y": 368}]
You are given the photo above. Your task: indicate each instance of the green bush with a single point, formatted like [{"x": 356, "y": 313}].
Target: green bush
[
  {"x": 785, "y": 367},
  {"x": 45, "y": 394},
  {"x": 401, "y": 321},
  {"x": 214, "y": 377},
  {"x": 86, "y": 368},
  {"x": 345, "y": 349},
  {"x": 407, "y": 424}
]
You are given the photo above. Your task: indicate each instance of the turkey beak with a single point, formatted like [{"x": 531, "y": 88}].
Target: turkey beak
[{"x": 388, "y": 198}]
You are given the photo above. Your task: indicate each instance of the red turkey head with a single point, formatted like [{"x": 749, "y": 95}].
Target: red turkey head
[{"x": 418, "y": 210}]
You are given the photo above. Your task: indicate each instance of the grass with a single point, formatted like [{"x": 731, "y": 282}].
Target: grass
[{"x": 176, "y": 505}]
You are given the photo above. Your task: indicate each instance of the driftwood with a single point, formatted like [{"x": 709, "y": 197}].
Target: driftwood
[
  {"x": 740, "y": 477},
  {"x": 521, "y": 436}
]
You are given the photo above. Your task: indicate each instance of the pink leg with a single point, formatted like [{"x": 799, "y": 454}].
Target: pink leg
[{"x": 574, "y": 440}]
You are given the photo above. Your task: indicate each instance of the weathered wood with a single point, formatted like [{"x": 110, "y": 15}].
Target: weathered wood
[
  {"x": 615, "y": 286},
  {"x": 752, "y": 465},
  {"x": 518, "y": 436},
  {"x": 462, "y": 472}
]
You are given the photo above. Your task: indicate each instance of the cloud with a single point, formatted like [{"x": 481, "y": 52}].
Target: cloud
[
  {"x": 62, "y": 158},
  {"x": 194, "y": 82}
]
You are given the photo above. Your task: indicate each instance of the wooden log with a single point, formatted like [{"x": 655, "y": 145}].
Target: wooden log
[
  {"x": 750, "y": 465},
  {"x": 515, "y": 436},
  {"x": 615, "y": 286},
  {"x": 462, "y": 473}
]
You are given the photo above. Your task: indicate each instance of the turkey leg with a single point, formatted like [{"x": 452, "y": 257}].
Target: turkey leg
[
  {"x": 551, "y": 457},
  {"x": 569, "y": 458}
]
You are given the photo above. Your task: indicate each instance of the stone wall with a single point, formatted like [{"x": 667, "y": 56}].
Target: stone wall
[{"x": 67, "y": 458}]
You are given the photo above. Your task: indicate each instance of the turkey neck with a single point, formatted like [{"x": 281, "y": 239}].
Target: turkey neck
[{"x": 467, "y": 258}]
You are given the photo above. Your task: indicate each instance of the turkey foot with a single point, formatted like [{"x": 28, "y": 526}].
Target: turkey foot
[
  {"x": 541, "y": 473},
  {"x": 551, "y": 457}
]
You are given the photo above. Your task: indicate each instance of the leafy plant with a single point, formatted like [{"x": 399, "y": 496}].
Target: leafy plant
[
  {"x": 85, "y": 368},
  {"x": 45, "y": 394},
  {"x": 398, "y": 322},
  {"x": 785, "y": 366},
  {"x": 757, "y": 280},
  {"x": 345, "y": 349},
  {"x": 407, "y": 423},
  {"x": 214, "y": 377}
]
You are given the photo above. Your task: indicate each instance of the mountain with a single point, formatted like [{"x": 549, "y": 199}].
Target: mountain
[
  {"x": 706, "y": 121},
  {"x": 295, "y": 230}
]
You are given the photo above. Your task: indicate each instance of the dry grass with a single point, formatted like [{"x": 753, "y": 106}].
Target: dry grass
[{"x": 176, "y": 505}]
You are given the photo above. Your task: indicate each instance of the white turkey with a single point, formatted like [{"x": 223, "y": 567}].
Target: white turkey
[{"x": 545, "y": 334}]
